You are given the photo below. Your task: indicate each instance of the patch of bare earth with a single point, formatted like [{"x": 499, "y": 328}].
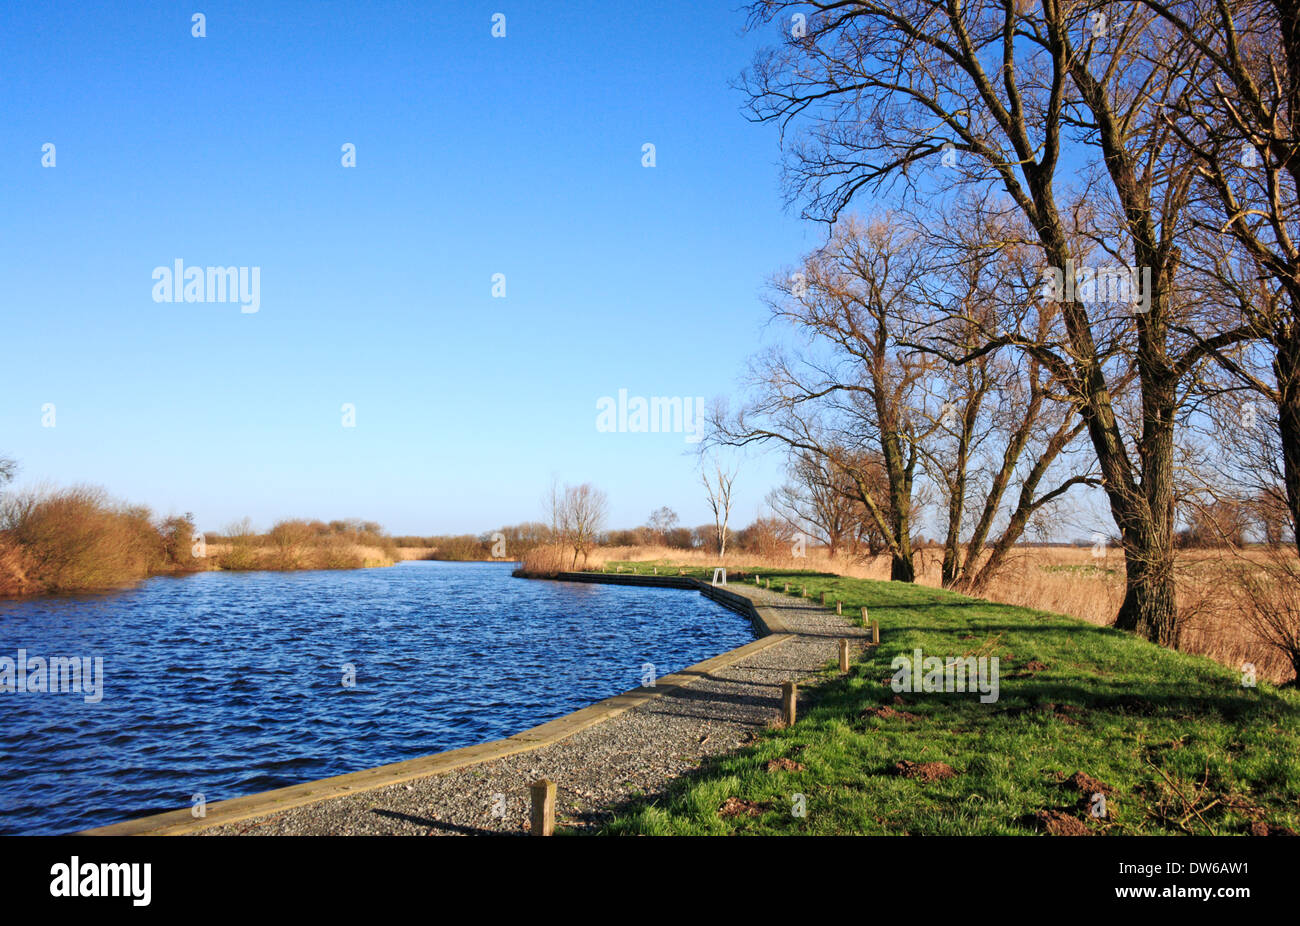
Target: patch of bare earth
[
  {"x": 739, "y": 807},
  {"x": 1029, "y": 669},
  {"x": 1087, "y": 789},
  {"x": 784, "y": 764},
  {"x": 924, "y": 771},
  {"x": 888, "y": 713},
  {"x": 1260, "y": 828},
  {"x": 1060, "y": 823}
]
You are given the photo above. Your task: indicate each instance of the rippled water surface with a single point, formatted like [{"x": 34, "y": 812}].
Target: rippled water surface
[{"x": 224, "y": 684}]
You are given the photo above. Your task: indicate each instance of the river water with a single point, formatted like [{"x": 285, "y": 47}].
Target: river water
[{"x": 223, "y": 684}]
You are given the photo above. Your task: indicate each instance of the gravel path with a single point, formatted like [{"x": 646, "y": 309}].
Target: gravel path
[{"x": 637, "y": 752}]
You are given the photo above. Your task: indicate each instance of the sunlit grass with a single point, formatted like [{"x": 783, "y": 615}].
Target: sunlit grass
[{"x": 1180, "y": 743}]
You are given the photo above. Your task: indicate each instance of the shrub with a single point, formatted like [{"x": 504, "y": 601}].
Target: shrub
[
  {"x": 290, "y": 544},
  {"x": 178, "y": 542},
  {"x": 79, "y": 539}
]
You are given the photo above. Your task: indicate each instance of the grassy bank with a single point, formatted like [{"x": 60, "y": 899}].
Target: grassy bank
[
  {"x": 1175, "y": 742},
  {"x": 1065, "y": 580}
]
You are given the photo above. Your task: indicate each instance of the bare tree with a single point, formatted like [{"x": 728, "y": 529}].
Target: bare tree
[
  {"x": 718, "y": 488},
  {"x": 873, "y": 93},
  {"x": 820, "y": 502},
  {"x": 848, "y": 397},
  {"x": 1241, "y": 124},
  {"x": 661, "y": 522},
  {"x": 1004, "y": 443},
  {"x": 577, "y": 515}
]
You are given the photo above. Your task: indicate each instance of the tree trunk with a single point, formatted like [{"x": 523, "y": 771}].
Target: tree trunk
[
  {"x": 1286, "y": 367},
  {"x": 952, "y": 540},
  {"x": 1150, "y": 606},
  {"x": 951, "y": 564},
  {"x": 901, "y": 568}
]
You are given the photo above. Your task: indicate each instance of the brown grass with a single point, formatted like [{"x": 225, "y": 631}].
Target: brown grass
[
  {"x": 548, "y": 560},
  {"x": 417, "y": 553},
  {"x": 233, "y": 557}
]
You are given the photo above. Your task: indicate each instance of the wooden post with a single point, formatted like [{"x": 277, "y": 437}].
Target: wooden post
[
  {"x": 543, "y": 820},
  {"x": 787, "y": 588},
  {"x": 789, "y": 700},
  {"x": 839, "y": 607},
  {"x": 656, "y": 570},
  {"x": 803, "y": 593},
  {"x": 823, "y": 597},
  {"x": 875, "y": 631},
  {"x": 844, "y": 656},
  {"x": 865, "y": 622},
  {"x": 769, "y": 584}
]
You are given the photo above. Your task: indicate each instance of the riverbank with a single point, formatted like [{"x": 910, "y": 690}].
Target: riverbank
[
  {"x": 607, "y": 751},
  {"x": 256, "y": 560},
  {"x": 1087, "y": 582},
  {"x": 1089, "y": 731},
  {"x": 63, "y": 541}
]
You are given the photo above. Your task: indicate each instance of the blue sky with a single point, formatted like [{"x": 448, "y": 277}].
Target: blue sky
[{"x": 475, "y": 156}]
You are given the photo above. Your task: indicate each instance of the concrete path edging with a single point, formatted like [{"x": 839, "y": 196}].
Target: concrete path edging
[{"x": 766, "y": 622}]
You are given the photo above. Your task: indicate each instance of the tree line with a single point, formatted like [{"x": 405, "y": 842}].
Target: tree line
[{"x": 1077, "y": 265}]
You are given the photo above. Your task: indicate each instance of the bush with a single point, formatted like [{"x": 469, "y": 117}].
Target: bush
[
  {"x": 78, "y": 539},
  {"x": 178, "y": 542},
  {"x": 13, "y": 576}
]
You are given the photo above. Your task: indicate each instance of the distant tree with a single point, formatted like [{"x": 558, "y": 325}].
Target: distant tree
[
  {"x": 819, "y": 502},
  {"x": 177, "y": 538},
  {"x": 718, "y": 487},
  {"x": 661, "y": 522},
  {"x": 577, "y": 517},
  {"x": 679, "y": 538},
  {"x": 1271, "y": 518},
  {"x": 1218, "y": 523},
  {"x": 768, "y": 537}
]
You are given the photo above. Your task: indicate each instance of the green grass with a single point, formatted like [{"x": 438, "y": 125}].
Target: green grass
[{"x": 1182, "y": 746}]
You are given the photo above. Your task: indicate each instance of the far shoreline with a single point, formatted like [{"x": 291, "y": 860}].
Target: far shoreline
[{"x": 216, "y": 567}]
